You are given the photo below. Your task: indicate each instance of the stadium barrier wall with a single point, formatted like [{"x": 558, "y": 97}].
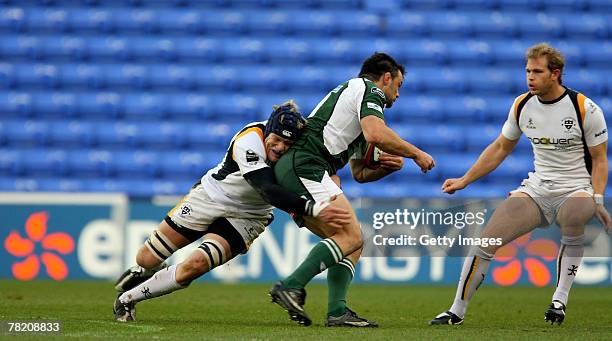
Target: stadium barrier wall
[{"x": 95, "y": 236}]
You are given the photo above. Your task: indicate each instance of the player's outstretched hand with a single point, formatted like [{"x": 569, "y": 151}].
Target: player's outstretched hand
[
  {"x": 451, "y": 185},
  {"x": 391, "y": 162},
  {"x": 604, "y": 217},
  {"x": 424, "y": 161}
]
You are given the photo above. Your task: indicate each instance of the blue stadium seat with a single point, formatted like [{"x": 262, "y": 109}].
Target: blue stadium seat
[
  {"x": 128, "y": 76},
  {"x": 190, "y": 106},
  {"x": 590, "y": 82},
  {"x": 147, "y": 47},
  {"x": 118, "y": 135},
  {"x": 319, "y": 23},
  {"x": 109, "y": 48},
  {"x": 465, "y": 108},
  {"x": 7, "y": 76},
  {"x": 26, "y": 47},
  {"x": 223, "y": 22},
  {"x": 107, "y": 105},
  {"x": 337, "y": 4},
  {"x": 44, "y": 162},
  {"x": 244, "y": 50},
  {"x": 407, "y": 24},
  {"x": 494, "y": 80},
  {"x": 55, "y": 104},
  {"x": 145, "y": 106},
  {"x": 416, "y": 109},
  {"x": 12, "y": 19},
  {"x": 510, "y": 52},
  {"x": 136, "y": 20},
  {"x": 212, "y": 134},
  {"x": 602, "y": 6},
  {"x": 515, "y": 167},
  {"x": 19, "y": 184},
  {"x": 454, "y": 165},
  {"x": 37, "y": 75},
  {"x": 61, "y": 185},
  {"x": 173, "y": 76},
  {"x": 449, "y": 24},
  {"x": 199, "y": 49},
  {"x": 188, "y": 165},
  {"x": 47, "y": 19},
  {"x": 276, "y": 22},
  {"x": 265, "y": 77},
  {"x": 597, "y": 54},
  {"x": 540, "y": 26},
  {"x": 180, "y": 21},
  {"x": 27, "y": 133},
  {"x": 17, "y": 104},
  {"x": 425, "y": 52},
  {"x": 443, "y": 80},
  {"x": 136, "y": 164},
  {"x": 236, "y": 108},
  {"x": 471, "y": 52},
  {"x": 358, "y": 23},
  {"x": 493, "y": 24},
  {"x": 427, "y": 4},
  {"x": 91, "y": 163},
  {"x": 164, "y": 135},
  {"x": 91, "y": 20},
  {"x": 498, "y": 108},
  {"x": 72, "y": 134},
  {"x": 586, "y": 26},
  {"x": 520, "y": 5},
  {"x": 478, "y": 137},
  {"x": 82, "y": 75},
  {"x": 10, "y": 163},
  {"x": 290, "y": 50}
]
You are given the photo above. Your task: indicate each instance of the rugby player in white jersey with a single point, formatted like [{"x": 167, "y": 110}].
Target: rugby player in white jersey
[
  {"x": 230, "y": 207},
  {"x": 569, "y": 138}
]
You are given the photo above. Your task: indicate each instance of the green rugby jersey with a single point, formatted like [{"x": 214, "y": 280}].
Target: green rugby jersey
[{"x": 334, "y": 131}]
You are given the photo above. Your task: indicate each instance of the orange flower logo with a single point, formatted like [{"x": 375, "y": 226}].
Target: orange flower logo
[
  {"x": 536, "y": 250},
  {"x": 36, "y": 229}
]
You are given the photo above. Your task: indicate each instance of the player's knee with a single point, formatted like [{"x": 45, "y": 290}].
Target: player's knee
[
  {"x": 213, "y": 253},
  {"x": 145, "y": 259},
  {"x": 156, "y": 249}
]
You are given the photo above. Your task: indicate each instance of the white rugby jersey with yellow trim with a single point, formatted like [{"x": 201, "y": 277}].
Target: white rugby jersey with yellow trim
[
  {"x": 560, "y": 132},
  {"x": 226, "y": 184}
]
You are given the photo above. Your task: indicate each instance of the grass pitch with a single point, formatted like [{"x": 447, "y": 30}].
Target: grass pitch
[{"x": 243, "y": 311}]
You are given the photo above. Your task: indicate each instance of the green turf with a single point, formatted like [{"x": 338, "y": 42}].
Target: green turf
[{"x": 243, "y": 311}]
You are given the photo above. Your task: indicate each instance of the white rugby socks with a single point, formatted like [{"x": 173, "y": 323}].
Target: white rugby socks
[
  {"x": 568, "y": 260},
  {"x": 475, "y": 267},
  {"x": 163, "y": 282}
]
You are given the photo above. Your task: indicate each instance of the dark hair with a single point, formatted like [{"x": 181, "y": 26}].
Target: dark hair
[{"x": 377, "y": 64}]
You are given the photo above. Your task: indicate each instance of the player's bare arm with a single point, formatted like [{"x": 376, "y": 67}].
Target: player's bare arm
[
  {"x": 489, "y": 159},
  {"x": 599, "y": 179},
  {"x": 376, "y": 132}
]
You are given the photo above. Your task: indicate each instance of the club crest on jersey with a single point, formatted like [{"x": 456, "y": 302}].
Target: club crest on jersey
[
  {"x": 251, "y": 156},
  {"x": 568, "y": 123},
  {"x": 530, "y": 124},
  {"x": 186, "y": 209},
  {"x": 379, "y": 92}
]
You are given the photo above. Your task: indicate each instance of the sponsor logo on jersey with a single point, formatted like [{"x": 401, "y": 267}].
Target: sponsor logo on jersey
[
  {"x": 568, "y": 123},
  {"x": 251, "y": 156},
  {"x": 375, "y": 107},
  {"x": 530, "y": 124},
  {"x": 601, "y": 132},
  {"x": 379, "y": 92},
  {"x": 549, "y": 140}
]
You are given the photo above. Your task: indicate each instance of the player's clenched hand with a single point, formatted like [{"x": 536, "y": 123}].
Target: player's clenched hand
[
  {"x": 391, "y": 162},
  {"x": 333, "y": 216},
  {"x": 604, "y": 217},
  {"x": 452, "y": 185},
  {"x": 424, "y": 161}
]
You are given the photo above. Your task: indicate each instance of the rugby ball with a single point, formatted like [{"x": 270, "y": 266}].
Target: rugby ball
[{"x": 371, "y": 158}]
